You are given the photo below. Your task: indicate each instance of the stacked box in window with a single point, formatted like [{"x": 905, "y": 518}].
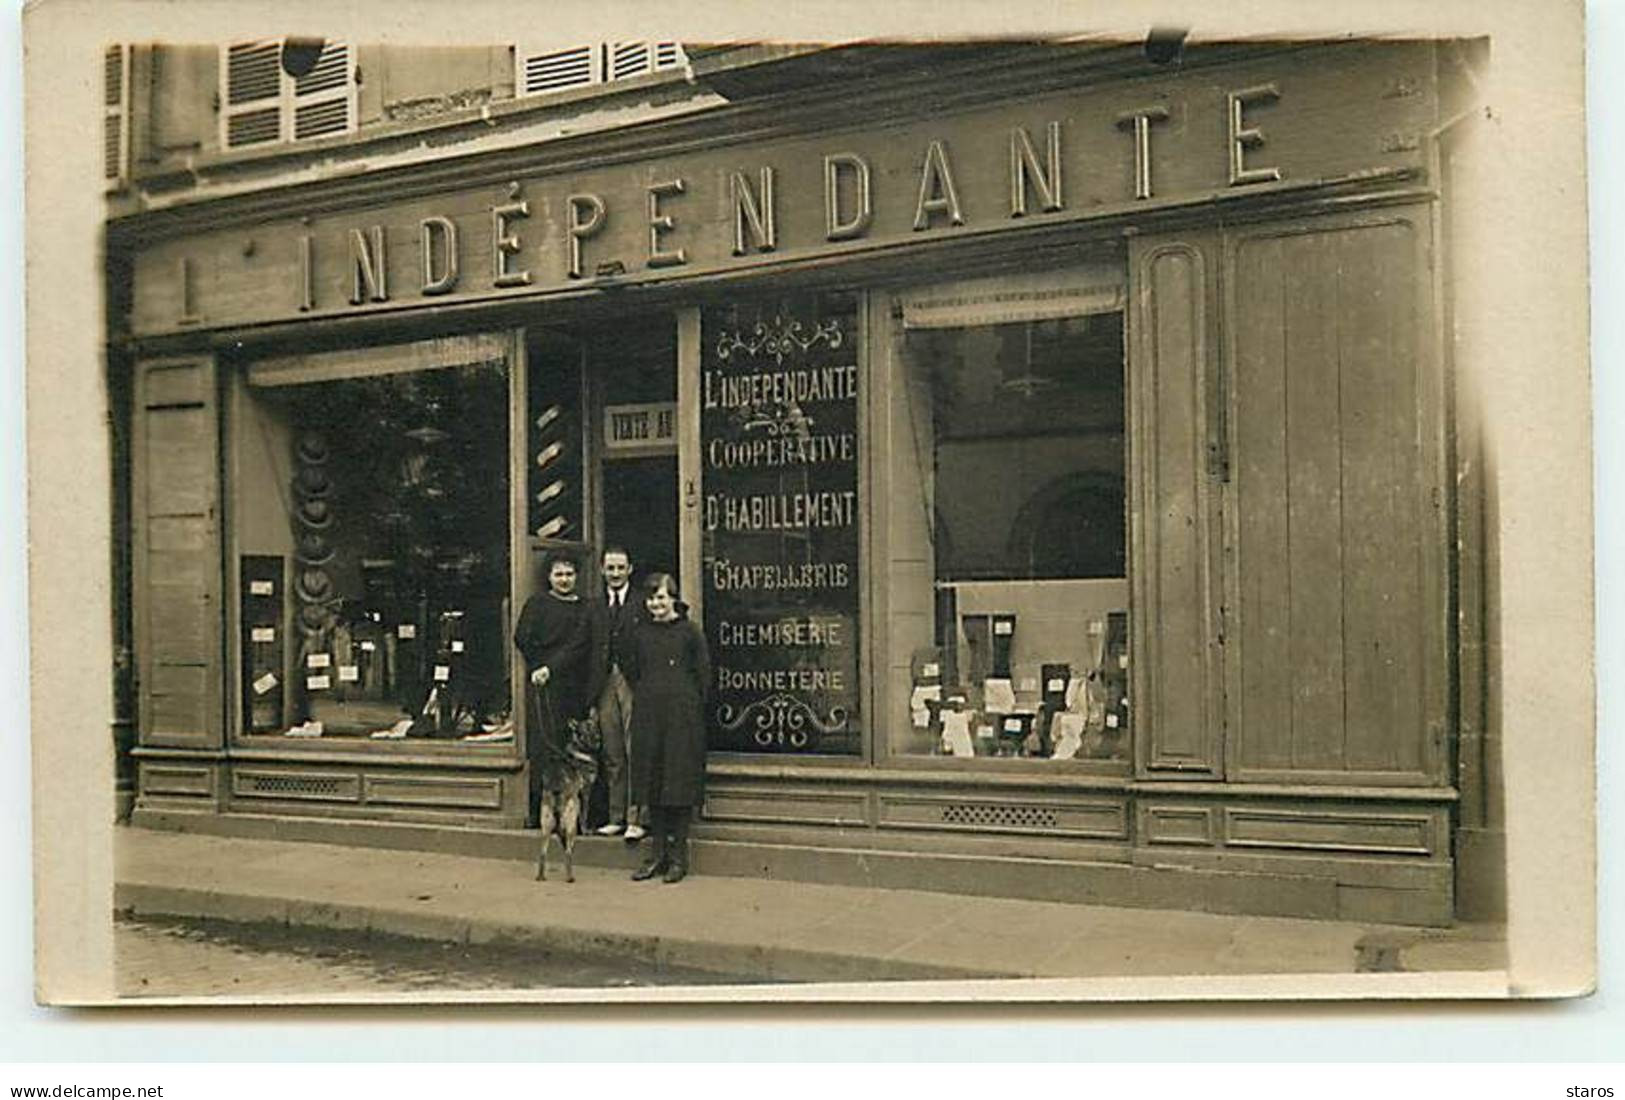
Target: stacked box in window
[
  {"x": 263, "y": 649},
  {"x": 1116, "y": 675},
  {"x": 554, "y": 496}
]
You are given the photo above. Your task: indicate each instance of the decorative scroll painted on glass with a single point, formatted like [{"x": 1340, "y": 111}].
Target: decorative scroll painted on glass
[{"x": 779, "y": 400}]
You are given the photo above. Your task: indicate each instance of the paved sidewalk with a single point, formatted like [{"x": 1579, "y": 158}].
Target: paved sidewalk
[{"x": 772, "y": 930}]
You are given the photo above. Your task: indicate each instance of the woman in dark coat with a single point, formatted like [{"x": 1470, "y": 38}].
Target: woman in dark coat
[
  {"x": 554, "y": 633},
  {"x": 670, "y": 675}
]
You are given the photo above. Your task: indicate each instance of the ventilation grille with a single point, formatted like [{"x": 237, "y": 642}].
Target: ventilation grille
[
  {"x": 296, "y": 786},
  {"x": 994, "y": 815}
]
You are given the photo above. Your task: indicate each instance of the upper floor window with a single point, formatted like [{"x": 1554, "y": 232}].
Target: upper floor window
[
  {"x": 539, "y": 71},
  {"x": 279, "y": 90},
  {"x": 115, "y": 115}
]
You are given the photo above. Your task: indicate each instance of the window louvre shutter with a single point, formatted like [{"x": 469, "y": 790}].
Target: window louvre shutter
[
  {"x": 541, "y": 71},
  {"x": 628, "y": 59},
  {"x": 552, "y": 70},
  {"x": 262, "y": 104},
  {"x": 115, "y": 122},
  {"x": 324, "y": 98}
]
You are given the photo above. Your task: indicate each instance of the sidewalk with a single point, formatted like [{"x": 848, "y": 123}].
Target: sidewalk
[{"x": 768, "y": 930}]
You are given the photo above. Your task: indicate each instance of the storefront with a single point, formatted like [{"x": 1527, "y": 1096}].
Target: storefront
[{"x": 1058, "y": 460}]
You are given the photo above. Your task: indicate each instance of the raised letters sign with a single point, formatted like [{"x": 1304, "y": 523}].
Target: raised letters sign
[{"x": 1185, "y": 137}]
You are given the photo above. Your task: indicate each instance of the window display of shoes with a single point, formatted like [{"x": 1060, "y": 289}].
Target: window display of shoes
[
  {"x": 633, "y": 832},
  {"x": 613, "y": 828}
]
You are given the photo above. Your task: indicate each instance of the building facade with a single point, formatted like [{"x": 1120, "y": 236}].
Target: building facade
[{"x": 1066, "y": 448}]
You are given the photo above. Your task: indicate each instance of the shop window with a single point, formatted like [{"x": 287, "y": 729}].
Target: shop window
[
  {"x": 1009, "y": 577},
  {"x": 282, "y": 91},
  {"x": 540, "y": 71},
  {"x": 372, "y": 522}
]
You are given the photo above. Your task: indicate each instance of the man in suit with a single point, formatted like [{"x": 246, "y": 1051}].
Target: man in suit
[{"x": 620, "y": 611}]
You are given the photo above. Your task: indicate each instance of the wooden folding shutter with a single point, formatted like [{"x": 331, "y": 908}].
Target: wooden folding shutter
[
  {"x": 251, "y": 94},
  {"x": 551, "y": 70},
  {"x": 1337, "y": 659},
  {"x": 176, "y": 562},
  {"x": 1175, "y": 459},
  {"x": 324, "y": 98},
  {"x": 115, "y": 114}
]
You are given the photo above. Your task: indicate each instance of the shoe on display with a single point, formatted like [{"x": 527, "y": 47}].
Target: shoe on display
[
  {"x": 613, "y": 828},
  {"x": 634, "y": 833}
]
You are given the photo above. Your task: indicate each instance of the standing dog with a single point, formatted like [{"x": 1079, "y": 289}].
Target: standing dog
[{"x": 568, "y": 764}]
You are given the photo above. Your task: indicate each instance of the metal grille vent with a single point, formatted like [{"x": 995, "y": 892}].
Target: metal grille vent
[
  {"x": 310, "y": 786},
  {"x": 998, "y": 815}
]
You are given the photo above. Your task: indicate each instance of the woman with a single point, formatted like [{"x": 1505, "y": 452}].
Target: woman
[
  {"x": 554, "y": 634},
  {"x": 670, "y": 672}
]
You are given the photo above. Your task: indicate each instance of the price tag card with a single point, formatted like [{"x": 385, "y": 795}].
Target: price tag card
[
  {"x": 1122, "y": 660},
  {"x": 318, "y": 683},
  {"x": 1111, "y": 721},
  {"x": 1055, "y": 685},
  {"x": 265, "y": 683},
  {"x": 930, "y": 669},
  {"x": 319, "y": 660},
  {"x": 442, "y": 673},
  {"x": 406, "y": 630},
  {"x": 263, "y": 634},
  {"x": 368, "y": 647},
  {"x": 349, "y": 674},
  {"x": 1004, "y": 626},
  {"x": 1012, "y": 725},
  {"x": 1096, "y": 626},
  {"x": 262, "y": 588},
  {"x": 457, "y": 646}
]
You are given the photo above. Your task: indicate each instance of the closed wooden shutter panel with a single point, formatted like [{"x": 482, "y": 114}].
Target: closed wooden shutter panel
[
  {"x": 1337, "y": 663},
  {"x": 1178, "y": 673},
  {"x": 175, "y": 530}
]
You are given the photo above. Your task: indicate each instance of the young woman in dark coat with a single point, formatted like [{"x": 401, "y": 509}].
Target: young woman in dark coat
[
  {"x": 554, "y": 633},
  {"x": 670, "y": 675}
]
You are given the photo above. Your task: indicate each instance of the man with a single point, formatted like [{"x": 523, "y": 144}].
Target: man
[{"x": 620, "y": 612}]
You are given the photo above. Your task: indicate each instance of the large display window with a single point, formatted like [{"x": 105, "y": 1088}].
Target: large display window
[
  {"x": 371, "y": 519},
  {"x": 1009, "y": 548}
]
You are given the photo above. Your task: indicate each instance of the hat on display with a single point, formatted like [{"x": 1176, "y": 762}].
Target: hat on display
[
  {"x": 311, "y": 482},
  {"x": 313, "y": 586},
  {"x": 315, "y": 513},
  {"x": 314, "y": 618},
  {"x": 312, "y": 449},
  {"x": 313, "y": 549}
]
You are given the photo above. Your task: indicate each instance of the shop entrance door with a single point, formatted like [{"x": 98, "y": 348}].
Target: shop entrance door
[{"x": 640, "y": 511}]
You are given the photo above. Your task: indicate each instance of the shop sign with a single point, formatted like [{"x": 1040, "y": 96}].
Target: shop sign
[
  {"x": 779, "y": 416},
  {"x": 1064, "y": 155},
  {"x": 641, "y": 429}
]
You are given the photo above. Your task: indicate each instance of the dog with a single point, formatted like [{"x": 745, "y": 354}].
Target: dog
[{"x": 567, "y": 771}]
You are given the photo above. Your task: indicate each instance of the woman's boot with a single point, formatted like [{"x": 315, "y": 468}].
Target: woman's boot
[
  {"x": 659, "y": 853},
  {"x": 677, "y": 860}
]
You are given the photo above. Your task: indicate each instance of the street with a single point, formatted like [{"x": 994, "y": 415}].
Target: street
[{"x": 188, "y": 958}]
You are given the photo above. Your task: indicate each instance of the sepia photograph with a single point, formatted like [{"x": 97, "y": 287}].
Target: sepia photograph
[{"x": 654, "y": 513}]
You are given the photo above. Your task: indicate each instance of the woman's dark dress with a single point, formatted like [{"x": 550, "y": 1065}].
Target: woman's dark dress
[
  {"x": 556, "y": 633},
  {"x": 670, "y": 673}
]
